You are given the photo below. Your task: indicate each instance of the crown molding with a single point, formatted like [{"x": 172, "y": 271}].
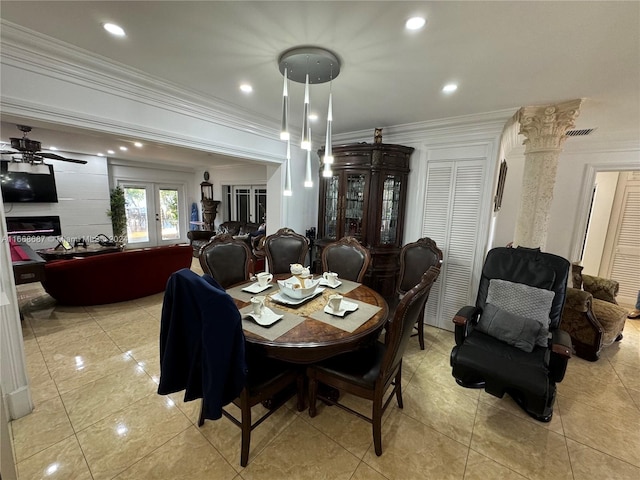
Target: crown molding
[
  {"x": 468, "y": 126},
  {"x": 60, "y": 116},
  {"x": 32, "y": 51}
]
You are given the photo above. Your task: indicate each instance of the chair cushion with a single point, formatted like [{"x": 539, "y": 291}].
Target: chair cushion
[
  {"x": 525, "y": 301},
  {"x": 521, "y": 332},
  {"x": 502, "y": 366},
  {"x": 361, "y": 367}
]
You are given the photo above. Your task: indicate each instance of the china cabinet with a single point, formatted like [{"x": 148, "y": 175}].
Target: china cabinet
[{"x": 365, "y": 198}]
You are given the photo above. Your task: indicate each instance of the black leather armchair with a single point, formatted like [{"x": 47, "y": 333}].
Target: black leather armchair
[{"x": 486, "y": 355}]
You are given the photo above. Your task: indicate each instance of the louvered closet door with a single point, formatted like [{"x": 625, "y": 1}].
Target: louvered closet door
[
  {"x": 623, "y": 255},
  {"x": 451, "y": 218}
]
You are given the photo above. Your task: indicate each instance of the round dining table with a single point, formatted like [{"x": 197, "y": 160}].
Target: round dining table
[{"x": 311, "y": 340}]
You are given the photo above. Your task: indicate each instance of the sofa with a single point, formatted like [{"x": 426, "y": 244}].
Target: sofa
[
  {"x": 591, "y": 314},
  {"x": 199, "y": 238},
  {"x": 114, "y": 277}
]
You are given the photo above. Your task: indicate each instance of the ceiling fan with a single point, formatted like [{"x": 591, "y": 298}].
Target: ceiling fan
[{"x": 28, "y": 151}]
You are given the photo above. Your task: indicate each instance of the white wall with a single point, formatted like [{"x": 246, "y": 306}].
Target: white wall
[
  {"x": 606, "y": 183},
  {"x": 578, "y": 165},
  {"x": 83, "y": 200}
]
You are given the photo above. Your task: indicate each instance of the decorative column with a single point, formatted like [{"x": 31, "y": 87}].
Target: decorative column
[{"x": 544, "y": 128}]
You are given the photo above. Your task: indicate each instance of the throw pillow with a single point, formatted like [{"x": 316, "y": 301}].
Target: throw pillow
[
  {"x": 525, "y": 301},
  {"x": 521, "y": 332}
]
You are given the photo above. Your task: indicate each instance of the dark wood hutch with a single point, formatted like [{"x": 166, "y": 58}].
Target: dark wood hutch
[{"x": 365, "y": 198}]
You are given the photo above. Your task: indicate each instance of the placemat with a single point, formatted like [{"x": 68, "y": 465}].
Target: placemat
[
  {"x": 351, "y": 321},
  {"x": 345, "y": 287},
  {"x": 237, "y": 293},
  {"x": 279, "y": 328}
]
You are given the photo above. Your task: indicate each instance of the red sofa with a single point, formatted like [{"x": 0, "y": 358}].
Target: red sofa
[{"x": 114, "y": 277}]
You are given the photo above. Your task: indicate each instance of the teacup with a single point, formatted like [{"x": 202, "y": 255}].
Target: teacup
[
  {"x": 331, "y": 278},
  {"x": 257, "y": 304},
  {"x": 264, "y": 278},
  {"x": 335, "y": 302}
]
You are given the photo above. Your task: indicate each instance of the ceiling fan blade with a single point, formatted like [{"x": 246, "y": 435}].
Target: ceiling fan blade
[{"x": 53, "y": 156}]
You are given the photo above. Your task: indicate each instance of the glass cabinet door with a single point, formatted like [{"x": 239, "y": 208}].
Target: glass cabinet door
[
  {"x": 354, "y": 204},
  {"x": 331, "y": 207},
  {"x": 391, "y": 189}
]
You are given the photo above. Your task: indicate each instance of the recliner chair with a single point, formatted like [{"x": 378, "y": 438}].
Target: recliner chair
[{"x": 509, "y": 342}]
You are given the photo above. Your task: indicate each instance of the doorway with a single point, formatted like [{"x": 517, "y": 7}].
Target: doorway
[
  {"x": 246, "y": 203},
  {"x": 612, "y": 246},
  {"x": 154, "y": 213}
]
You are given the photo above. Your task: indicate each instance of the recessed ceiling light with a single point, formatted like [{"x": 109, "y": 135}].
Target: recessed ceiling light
[
  {"x": 114, "y": 29},
  {"x": 138, "y": 144},
  {"x": 53, "y": 148},
  {"x": 450, "y": 88},
  {"x": 246, "y": 88},
  {"x": 313, "y": 117},
  {"x": 110, "y": 152},
  {"x": 100, "y": 154},
  {"x": 124, "y": 149},
  {"x": 415, "y": 23}
]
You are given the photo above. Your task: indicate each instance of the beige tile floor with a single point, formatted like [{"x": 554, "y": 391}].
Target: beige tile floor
[{"x": 94, "y": 373}]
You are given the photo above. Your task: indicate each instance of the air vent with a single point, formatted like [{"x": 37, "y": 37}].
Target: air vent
[{"x": 579, "y": 133}]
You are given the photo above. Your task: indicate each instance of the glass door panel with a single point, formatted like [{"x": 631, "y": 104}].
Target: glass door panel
[
  {"x": 169, "y": 214},
  {"x": 390, "y": 203},
  {"x": 135, "y": 199},
  {"x": 354, "y": 205},
  {"x": 331, "y": 207}
]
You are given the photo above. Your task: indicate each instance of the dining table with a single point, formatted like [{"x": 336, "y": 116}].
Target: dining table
[{"x": 304, "y": 332}]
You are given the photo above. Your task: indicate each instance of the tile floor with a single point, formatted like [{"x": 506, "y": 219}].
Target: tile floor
[{"x": 94, "y": 373}]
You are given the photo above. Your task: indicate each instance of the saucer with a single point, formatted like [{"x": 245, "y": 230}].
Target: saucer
[
  {"x": 346, "y": 307},
  {"x": 324, "y": 283},
  {"x": 256, "y": 288},
  {"x": 267, "y": 318}
]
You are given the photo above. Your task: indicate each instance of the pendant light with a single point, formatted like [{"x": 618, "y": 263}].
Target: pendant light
[
  {"x": 306, "y": 141},
  {"x": 284, "y": 131},
  {"x": 287, "y": 176},
  {"x": 308, "y": 179}
]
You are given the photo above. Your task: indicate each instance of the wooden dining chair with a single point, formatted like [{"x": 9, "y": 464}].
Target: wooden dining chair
[
  {"x": 346, "y": 257},
  {"x": 370, "y": 372},
  {"x": 270, "y": 382},
  {"x": 284, "y": 248},
  {"x": 226, "y": 259},
  {"x": 415, "y": 259}
]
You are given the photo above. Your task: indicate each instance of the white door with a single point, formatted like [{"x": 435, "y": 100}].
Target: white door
[
  {"x": 248, "y": 203},
  {"x": 452, "y": 212},
  {"x": 154, "y": 213},
  {"x": 621, "y": 253}
]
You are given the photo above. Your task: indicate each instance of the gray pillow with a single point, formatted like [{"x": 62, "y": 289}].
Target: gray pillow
[
  {"x": 525, "y": 301},
  {"x": 521, "y": 332}
]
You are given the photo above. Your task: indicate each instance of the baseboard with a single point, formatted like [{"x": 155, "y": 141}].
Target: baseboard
[{"x": 19, "y": 403}]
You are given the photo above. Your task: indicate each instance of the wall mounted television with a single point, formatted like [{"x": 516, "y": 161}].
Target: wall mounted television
[{"x": 27, "y": 187}]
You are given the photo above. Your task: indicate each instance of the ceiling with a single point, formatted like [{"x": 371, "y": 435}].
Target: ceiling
[{"x": 502, "y": 55}]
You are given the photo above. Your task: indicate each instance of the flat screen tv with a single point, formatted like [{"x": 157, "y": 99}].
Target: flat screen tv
[{"x": 27, "y": 187}]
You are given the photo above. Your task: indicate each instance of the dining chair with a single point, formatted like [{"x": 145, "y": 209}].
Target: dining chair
[
  {"x": 415, "y": 259},
  {"x": 347, "y": 257},
  {"x": 284, "y": 248},
  {"x": 270, "y": 382},
  {"x": 370, "y": 372},
  {"x": 226, "y": 259}
]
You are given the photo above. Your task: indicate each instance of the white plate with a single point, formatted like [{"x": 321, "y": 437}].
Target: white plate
[
  {"x": 346, "y": 307},
  {"x": 268, "y": 317},
  {"x": 256, "y": 288},
  {"x": 284, "y": 299},
  {"x": 324, "y": 283}
]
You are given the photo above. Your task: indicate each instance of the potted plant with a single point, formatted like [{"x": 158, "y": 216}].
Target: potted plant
[{"x": 118, "y": 215}]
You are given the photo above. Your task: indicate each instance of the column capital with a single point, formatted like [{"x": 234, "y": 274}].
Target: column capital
[{"x": 545, "y": 126}]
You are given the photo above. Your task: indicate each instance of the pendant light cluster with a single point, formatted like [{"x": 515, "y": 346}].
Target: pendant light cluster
[{"x": 311, "y": 66}]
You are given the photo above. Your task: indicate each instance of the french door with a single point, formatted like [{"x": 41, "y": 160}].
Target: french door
[
  {"x": 247, "y": 203},
  {"x": 154, "y": 213}
]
